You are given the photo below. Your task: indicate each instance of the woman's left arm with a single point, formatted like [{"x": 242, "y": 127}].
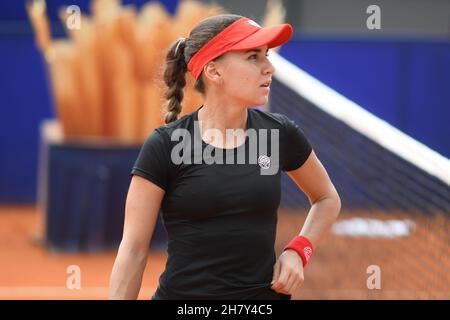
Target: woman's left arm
[{"x": 313, "y": 180}]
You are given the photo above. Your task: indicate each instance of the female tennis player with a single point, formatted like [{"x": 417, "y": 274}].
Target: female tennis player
[{"x": 221, "y": 215}]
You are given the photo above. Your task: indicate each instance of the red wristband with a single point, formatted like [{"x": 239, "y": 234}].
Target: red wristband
[{"x": 302, "y": 246}]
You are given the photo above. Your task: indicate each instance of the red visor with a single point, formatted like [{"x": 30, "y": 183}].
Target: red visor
[{"x": 243, "y": 34}]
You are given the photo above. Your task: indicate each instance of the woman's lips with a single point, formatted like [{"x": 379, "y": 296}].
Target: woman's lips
[{"x": 265, "y": 88}]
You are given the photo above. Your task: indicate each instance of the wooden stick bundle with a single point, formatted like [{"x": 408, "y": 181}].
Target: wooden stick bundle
[{"x": 106, "y": 77}]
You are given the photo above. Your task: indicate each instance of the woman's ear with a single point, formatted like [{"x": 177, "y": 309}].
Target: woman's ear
[{"x": 212, "y": 73}]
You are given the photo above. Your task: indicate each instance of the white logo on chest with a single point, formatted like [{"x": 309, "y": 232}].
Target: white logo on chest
[{"x": 264, "y": 162}]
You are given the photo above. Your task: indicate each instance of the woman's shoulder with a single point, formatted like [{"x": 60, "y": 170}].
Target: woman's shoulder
[
  {"x": 268, "y": 119},
  {"x": 182, "y": 123}
]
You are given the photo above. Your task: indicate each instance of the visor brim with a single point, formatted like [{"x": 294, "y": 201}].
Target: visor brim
[{"x": 272, "y": 36}]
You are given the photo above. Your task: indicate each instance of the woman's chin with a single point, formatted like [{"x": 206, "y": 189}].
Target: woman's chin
[
  {"x": 260, "y": 101},
  {"x": 263, "y": 101}
]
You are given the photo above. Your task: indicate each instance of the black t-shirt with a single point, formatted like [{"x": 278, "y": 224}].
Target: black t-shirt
[{"x": 220, "y": 217}]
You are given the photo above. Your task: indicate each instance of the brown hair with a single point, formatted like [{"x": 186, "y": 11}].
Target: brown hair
[{"x": 179, "y": 55}]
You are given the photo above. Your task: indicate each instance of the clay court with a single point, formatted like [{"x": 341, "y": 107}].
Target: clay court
[{"x": 338, "y": 270}]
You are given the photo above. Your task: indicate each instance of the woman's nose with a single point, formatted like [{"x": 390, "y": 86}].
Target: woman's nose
[{"x": 269, "y": 68}]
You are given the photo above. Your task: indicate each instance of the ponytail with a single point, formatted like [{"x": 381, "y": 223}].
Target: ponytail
[{"x": 175, "y": 79}]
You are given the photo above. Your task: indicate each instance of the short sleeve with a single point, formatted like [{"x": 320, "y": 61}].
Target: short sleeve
[
  {"x": 295, "y": 145},
  {"x": 153, "y": 161}
]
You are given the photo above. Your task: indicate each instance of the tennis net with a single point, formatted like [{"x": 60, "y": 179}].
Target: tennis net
[{"x": 392, "y": 239}]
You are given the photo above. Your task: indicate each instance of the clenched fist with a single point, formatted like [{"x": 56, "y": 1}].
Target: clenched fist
[{"x": 288, "y": 273}]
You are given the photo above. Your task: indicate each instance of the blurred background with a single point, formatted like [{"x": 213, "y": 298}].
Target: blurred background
[{"x": 80, "y": 93}]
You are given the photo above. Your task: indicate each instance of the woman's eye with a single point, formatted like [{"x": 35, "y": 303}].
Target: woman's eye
[{"x": 255, "y": 56}]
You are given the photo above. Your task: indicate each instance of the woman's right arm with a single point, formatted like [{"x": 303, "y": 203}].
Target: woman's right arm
[{"x": 141, "y": 212}]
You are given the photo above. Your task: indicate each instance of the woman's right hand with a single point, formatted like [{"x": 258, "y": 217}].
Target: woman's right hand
[{"x": 288, "y": 273}]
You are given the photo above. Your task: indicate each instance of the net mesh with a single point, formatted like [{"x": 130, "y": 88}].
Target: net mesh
[{"x": 392, "y": 238}]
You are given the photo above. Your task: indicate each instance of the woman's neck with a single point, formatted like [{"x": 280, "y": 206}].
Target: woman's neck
[{"x": 223, "y": 117}]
